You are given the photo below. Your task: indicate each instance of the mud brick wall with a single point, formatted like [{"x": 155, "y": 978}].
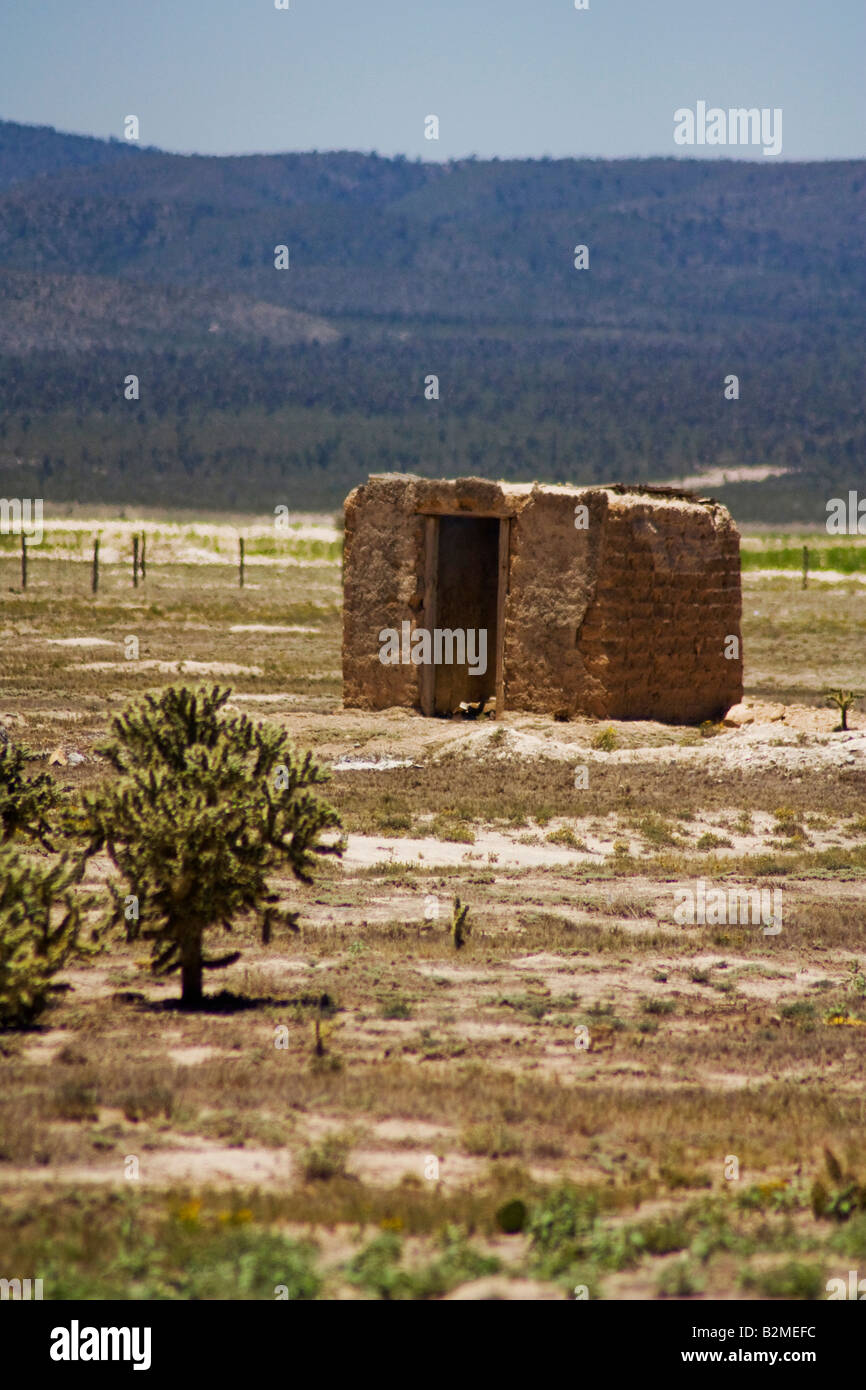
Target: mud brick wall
[
  {"x": 551, "y": 587},
  {"x": 627, "y": 618},
  {"x": 382, "y": 587},
  {"x": 667, "y": 598}
]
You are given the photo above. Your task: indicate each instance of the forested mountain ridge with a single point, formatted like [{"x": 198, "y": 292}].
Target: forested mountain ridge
[{"x": 259, "y": 385}]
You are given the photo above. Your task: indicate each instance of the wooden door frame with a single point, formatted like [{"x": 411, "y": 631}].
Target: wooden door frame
[
  {"x": 427, "y": 682},
  {"x": 431, "y": 585},
  {"x": 501, "y": 597}
]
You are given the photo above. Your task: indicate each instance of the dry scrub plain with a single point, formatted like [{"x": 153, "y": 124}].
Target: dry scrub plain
[{"x": 589, "y": 1095}]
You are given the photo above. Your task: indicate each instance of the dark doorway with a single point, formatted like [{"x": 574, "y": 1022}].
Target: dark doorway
[{"x": 463, "y": 600}]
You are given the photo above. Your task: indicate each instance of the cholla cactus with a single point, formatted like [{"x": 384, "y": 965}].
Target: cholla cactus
[
  {"x": 24, "y": 801},
  {"x": 205, "y": 806},
  {"x": 459, "y": 928},
  {"x": 843, "y": 700},
  {"x": 39, "y": 927}
]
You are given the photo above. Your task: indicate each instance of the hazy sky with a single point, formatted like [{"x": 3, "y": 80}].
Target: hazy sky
[{"x": 505, "y": 77}]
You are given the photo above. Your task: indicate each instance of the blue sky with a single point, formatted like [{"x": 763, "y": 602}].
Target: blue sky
[{"x": 505, "y": 77}]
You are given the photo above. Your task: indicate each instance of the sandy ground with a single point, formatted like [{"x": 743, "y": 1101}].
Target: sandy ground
[
  {"x": 816, "y": 576},
  {"x": 433, "y": 1048}
]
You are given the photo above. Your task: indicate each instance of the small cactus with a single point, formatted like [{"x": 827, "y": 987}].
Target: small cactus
[
  {"x": 459, "y": 929},
  {"x": 843, "y": 700},
  {"x": 40, "y": 918}
]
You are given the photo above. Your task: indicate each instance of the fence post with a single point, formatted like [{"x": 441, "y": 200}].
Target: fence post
[
  {"x": 94, "y": 582},
  {"x": 23, "y": 561},
  {"x": 241, "y": 560},
  {"x": 135, "y": 561},
  {"x": 143, "y": 555},
  {"x": 805, "y": 565}
]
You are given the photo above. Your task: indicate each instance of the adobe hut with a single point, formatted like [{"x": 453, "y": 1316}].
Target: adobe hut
[{"x": 619, "y": 602}]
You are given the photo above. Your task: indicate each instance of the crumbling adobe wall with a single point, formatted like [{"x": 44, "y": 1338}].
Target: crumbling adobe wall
[
  {"x": 383, "y": 559},
  {"x": 626, "y": 617},
  {"x": 666, "y": 603},
  {"x": 552, "y": 584}
]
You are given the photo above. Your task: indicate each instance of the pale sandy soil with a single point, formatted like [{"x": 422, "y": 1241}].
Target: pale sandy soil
[
  {"x": 717, "y": 477},
  {"x": 816, "y": 576}
]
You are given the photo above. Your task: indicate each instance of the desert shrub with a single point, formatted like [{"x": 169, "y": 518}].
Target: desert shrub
[
  {"x": 838, "y": 1203},
  {"x": 452, "y": 828},
  {"x": 396, "y": 1009},
  {"x": 850, "y": 1239},
  {"x": 792, "y": 1280},
  {"x": 856, "y": 985},
  {"x": 512, "y": 1216},
  {"x": 25, "y": 802},
  {"x": 709, "y": 841},
  {"x": 654, "y": 1005},
  {"x": 200, "y": 1261},
  {"x": 679, "y": 1280},
  {"x": 148, "y": 1101},
  {"x": 378, "y": 1268},
  {"x": 565, "y": 836},
  {"x": 491, "y": 1140},
  {"x": 394, "y": 821},
  {"x": 40, "y": 921},
  {"x": 77, "y": 1100},
  {"x": 800, "y": 1011},
  {"x": 774, "y": 1195},
  {"x": 788, "y": 823},
  {"x": 655, "y": 829},
  {"x": 326, "y": 1160},
  {"x": 560, "y": 1230},
  {"x": 845, "y": 1196},
  {"x": 679, "y": 1179},
  {"x": 664, "y": 1235},
  {"x": 606, "y": 740}
]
